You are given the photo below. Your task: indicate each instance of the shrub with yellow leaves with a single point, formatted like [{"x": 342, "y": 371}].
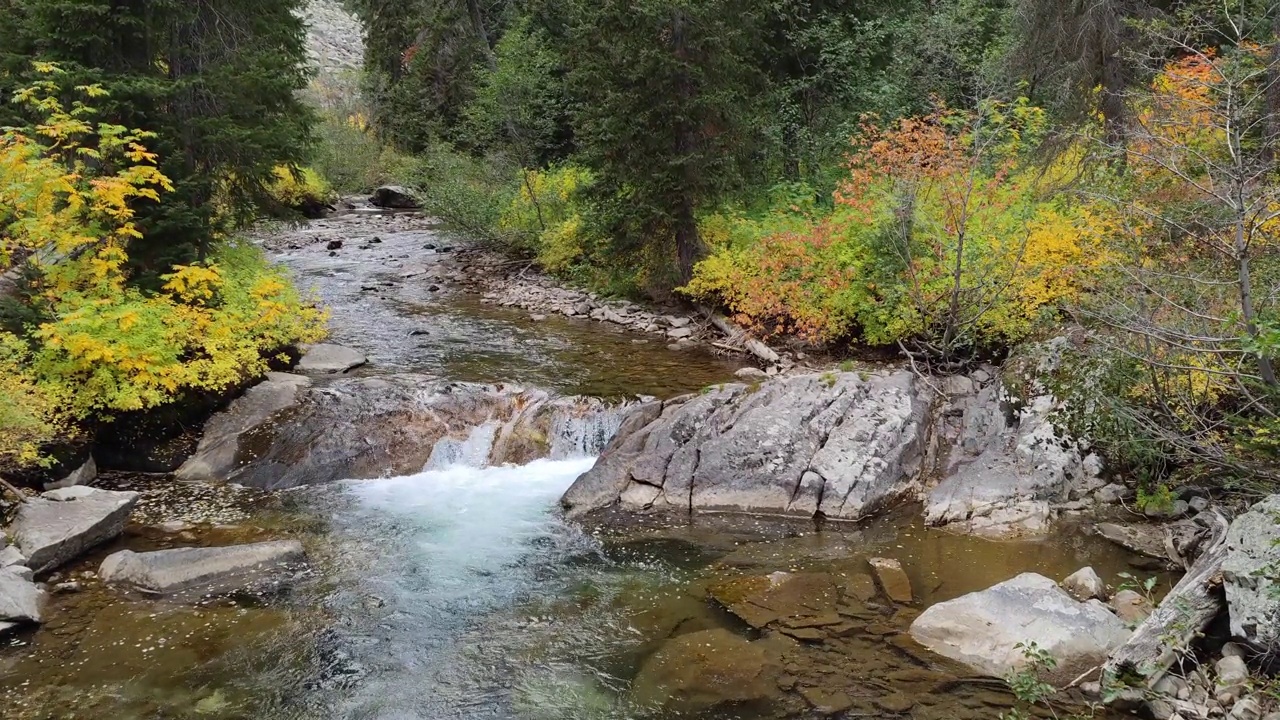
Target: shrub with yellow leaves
[{"x": 68, "y": 189}]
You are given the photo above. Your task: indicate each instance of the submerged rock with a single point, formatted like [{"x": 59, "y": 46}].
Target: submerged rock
[
  {"x": 215, "y": 458},
  {"x": 892, "y": 579},
  {"x": 1249, "y": 574},
  {"x": 330, "y": 359},
  {"x": 984, "y": 629},
  {"x": 61, "y": 524},
  {"x": 167, "y": 571},
  {"x": 703, "y": 671},
  {"x": 20, "y": 599},
  {"x": 840, "y": 444},
  {"x": 762, "y": 600}
]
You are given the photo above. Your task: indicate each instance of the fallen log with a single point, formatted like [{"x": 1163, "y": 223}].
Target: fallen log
[
  {"x": 1184, "y": 613},
  {"x": 740, "y": 338}
]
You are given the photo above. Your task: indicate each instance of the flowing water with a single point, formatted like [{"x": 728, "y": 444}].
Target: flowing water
[{"x": 460, "y": 592}]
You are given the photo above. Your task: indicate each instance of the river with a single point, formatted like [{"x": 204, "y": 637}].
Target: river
[{"x": 460, "y": 592}]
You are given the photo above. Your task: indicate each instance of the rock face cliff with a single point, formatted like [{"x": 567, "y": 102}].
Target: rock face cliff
[{"x": 842, "y": 445}]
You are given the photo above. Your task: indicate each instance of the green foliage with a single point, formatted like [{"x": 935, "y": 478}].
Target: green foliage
[
  {"x": 69, "y": 186},
  {"x": 674, "y": 142},
  {"x": 1026, "y": 684},
  {"x": 352, "y": 159},
  {"x": 1155, "y": 497},
  {"x": 520, "y": 101},
  {"x": 215, "y": 81},
  {"x": 469, "y": 194}
]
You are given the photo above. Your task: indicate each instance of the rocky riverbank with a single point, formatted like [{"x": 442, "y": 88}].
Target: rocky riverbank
[{"x": 831, "y": 535}]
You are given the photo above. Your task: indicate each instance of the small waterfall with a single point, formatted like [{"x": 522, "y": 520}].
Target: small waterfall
[
  {"x": 584, "y": 430},
  {"x": 472, "y": 452},
  {"x": 528, "y": 428}
]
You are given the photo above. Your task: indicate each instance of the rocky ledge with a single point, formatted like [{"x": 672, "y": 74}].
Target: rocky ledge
[
  {"x": 289, "y": 432},
  {"x": 845, "y": 445},
  {"x": 841, "y": 445}
]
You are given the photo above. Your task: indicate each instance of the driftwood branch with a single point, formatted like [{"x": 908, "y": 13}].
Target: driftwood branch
[
  {"x": 13, "y": 490},
  {"x": 1192, "y": 604}
]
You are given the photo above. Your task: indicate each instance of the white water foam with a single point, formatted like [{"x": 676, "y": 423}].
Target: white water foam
[{"x": 470, "y": 522}]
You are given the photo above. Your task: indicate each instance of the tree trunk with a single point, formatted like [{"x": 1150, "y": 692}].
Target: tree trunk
[
  {"x": 1183, "y": 614},
  {"x": 1247, "y": 311},
  {"x": 688, "y": 242},
  {"x": 1273, "y": 90},
  {"x": 477, "y": 23},
  {"x": 1111, "y": 102}
]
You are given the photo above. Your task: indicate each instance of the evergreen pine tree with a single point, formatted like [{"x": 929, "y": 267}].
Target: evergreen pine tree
[{"x": 664, "y": 90}]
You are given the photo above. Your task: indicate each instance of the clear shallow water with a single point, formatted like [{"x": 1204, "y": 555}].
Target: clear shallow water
[{"x": 398, "y": 302}]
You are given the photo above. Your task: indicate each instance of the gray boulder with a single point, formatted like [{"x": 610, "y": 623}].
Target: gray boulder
[
  {"x": 983, "y": 629},
  {"x": 83, "y": 475},
  {"x": 61, "y": 524},
  {"x": 1004, "y": 465},
  {"x": 836, "y": 444},
  {"x": 215, "y": 458},
  {"x": 393, "y": 197},
  {"x": 1084, "y": 584},
  {"x": 330, "y": 359},
  {"x": 11, "y": 556},
  {"x": 168, "y": 571},
  {"x": 20, "y": 599},
  {"x": 1249, "y": 574},
  {"x": 353, "y": 428}
]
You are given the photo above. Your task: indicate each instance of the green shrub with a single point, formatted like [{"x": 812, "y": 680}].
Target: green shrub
[
  {"x": 468, "y": 194},
  {"x": 302, "y": 191},
  {"x": 352, "y": 159}
]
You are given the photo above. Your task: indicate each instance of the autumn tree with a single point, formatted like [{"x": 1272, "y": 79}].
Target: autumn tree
[
  {"x": 215, "y": 81},
  {"x": 1193, "y": 302},
  {"x": 956, "y": 207}
]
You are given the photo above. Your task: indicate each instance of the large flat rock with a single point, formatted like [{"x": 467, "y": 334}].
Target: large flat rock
[
  {"x": 20, "y": 599},
  {"x": 216, "y": 456},
  {"x": 169, "y": 571},
  {"x": 707, "y": 671},
  {"x": 841, "y": 444},
  {"x": 329, "y": 359},
  {"x": 61, "y": 524},
  {"x": 984, "y": 629}
]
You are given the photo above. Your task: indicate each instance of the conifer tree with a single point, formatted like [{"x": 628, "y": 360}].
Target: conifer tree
[
  {"x": 665, "y": 92},
  {"x": 215, "y": 80}
]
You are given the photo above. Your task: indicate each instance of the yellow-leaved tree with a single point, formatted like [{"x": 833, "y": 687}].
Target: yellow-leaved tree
[{"x": 69, "y": 186}]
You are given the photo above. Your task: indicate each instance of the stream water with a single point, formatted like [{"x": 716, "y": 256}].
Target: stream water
[{"x": 459, "y": 592}]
